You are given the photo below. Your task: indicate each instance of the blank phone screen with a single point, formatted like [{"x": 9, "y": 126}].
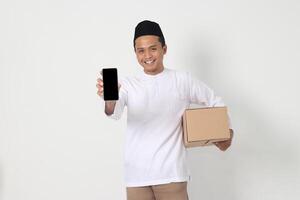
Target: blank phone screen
[{"x": 110, "y": 84}]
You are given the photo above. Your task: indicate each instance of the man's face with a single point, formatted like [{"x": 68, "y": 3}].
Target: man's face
[{"x": 150, "y": 53}]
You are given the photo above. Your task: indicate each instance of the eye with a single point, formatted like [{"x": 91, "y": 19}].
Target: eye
[
  {"x": 153, "y": 48},
  {"x": 140, "y": 51}
]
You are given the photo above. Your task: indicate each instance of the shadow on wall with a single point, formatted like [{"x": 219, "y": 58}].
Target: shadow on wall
[{"x": 257, "y": 149}]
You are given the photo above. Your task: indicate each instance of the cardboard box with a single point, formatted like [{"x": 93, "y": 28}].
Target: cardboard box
[{"x": 203, "y": 126}]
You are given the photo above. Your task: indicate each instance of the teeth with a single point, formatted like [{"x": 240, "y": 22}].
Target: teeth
[{"x": 149, "y": 62}]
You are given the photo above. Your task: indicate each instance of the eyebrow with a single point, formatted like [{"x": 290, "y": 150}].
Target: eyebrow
[{"x": 154, "y": 45}]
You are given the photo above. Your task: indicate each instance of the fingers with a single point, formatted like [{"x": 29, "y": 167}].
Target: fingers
[
  {"x": 100, "y": 91},
  {"x": 223, "y": 145},
  {"x": 99, "y": 85},
  {"x": 100, "y": 81}
]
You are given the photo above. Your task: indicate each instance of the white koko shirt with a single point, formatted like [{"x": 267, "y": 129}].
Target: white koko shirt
[{"x": 154, "y": 150}]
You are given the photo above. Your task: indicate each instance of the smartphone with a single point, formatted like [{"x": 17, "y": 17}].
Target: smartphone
[{"x": 110, "y": 84}]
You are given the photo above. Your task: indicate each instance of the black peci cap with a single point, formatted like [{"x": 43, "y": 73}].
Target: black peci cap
[{"x": 147, "y": 27}]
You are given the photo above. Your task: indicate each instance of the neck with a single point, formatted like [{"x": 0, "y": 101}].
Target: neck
[{"x": 155, "y": 72}]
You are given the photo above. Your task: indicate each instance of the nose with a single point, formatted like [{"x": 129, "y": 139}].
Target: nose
[{"x": 148, "y": 54}]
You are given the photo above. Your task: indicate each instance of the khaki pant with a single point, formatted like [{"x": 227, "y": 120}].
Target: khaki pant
[{"x": 170, "y": 191}]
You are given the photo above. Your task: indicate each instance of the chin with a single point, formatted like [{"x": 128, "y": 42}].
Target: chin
[{"x": 149, "y": 68}]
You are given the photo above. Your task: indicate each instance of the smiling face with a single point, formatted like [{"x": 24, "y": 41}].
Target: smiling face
[{"x": 150, "y": 53}]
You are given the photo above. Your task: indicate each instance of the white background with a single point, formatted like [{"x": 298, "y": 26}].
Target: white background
[{"x": 56, "y": 142}]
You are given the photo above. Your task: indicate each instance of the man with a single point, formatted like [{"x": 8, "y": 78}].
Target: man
[{"x": 155, "y": 157}]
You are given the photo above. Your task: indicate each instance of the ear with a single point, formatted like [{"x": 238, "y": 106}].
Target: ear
[{"x": 165, "y": 49}]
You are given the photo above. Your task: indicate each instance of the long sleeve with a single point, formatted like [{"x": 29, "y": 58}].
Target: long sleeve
[
  {"x": 200, "y": 93},
  {"x": 121, "y": 103}
]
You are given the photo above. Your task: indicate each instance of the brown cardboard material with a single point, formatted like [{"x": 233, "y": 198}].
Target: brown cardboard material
[{"x": 203, "y": 126}]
